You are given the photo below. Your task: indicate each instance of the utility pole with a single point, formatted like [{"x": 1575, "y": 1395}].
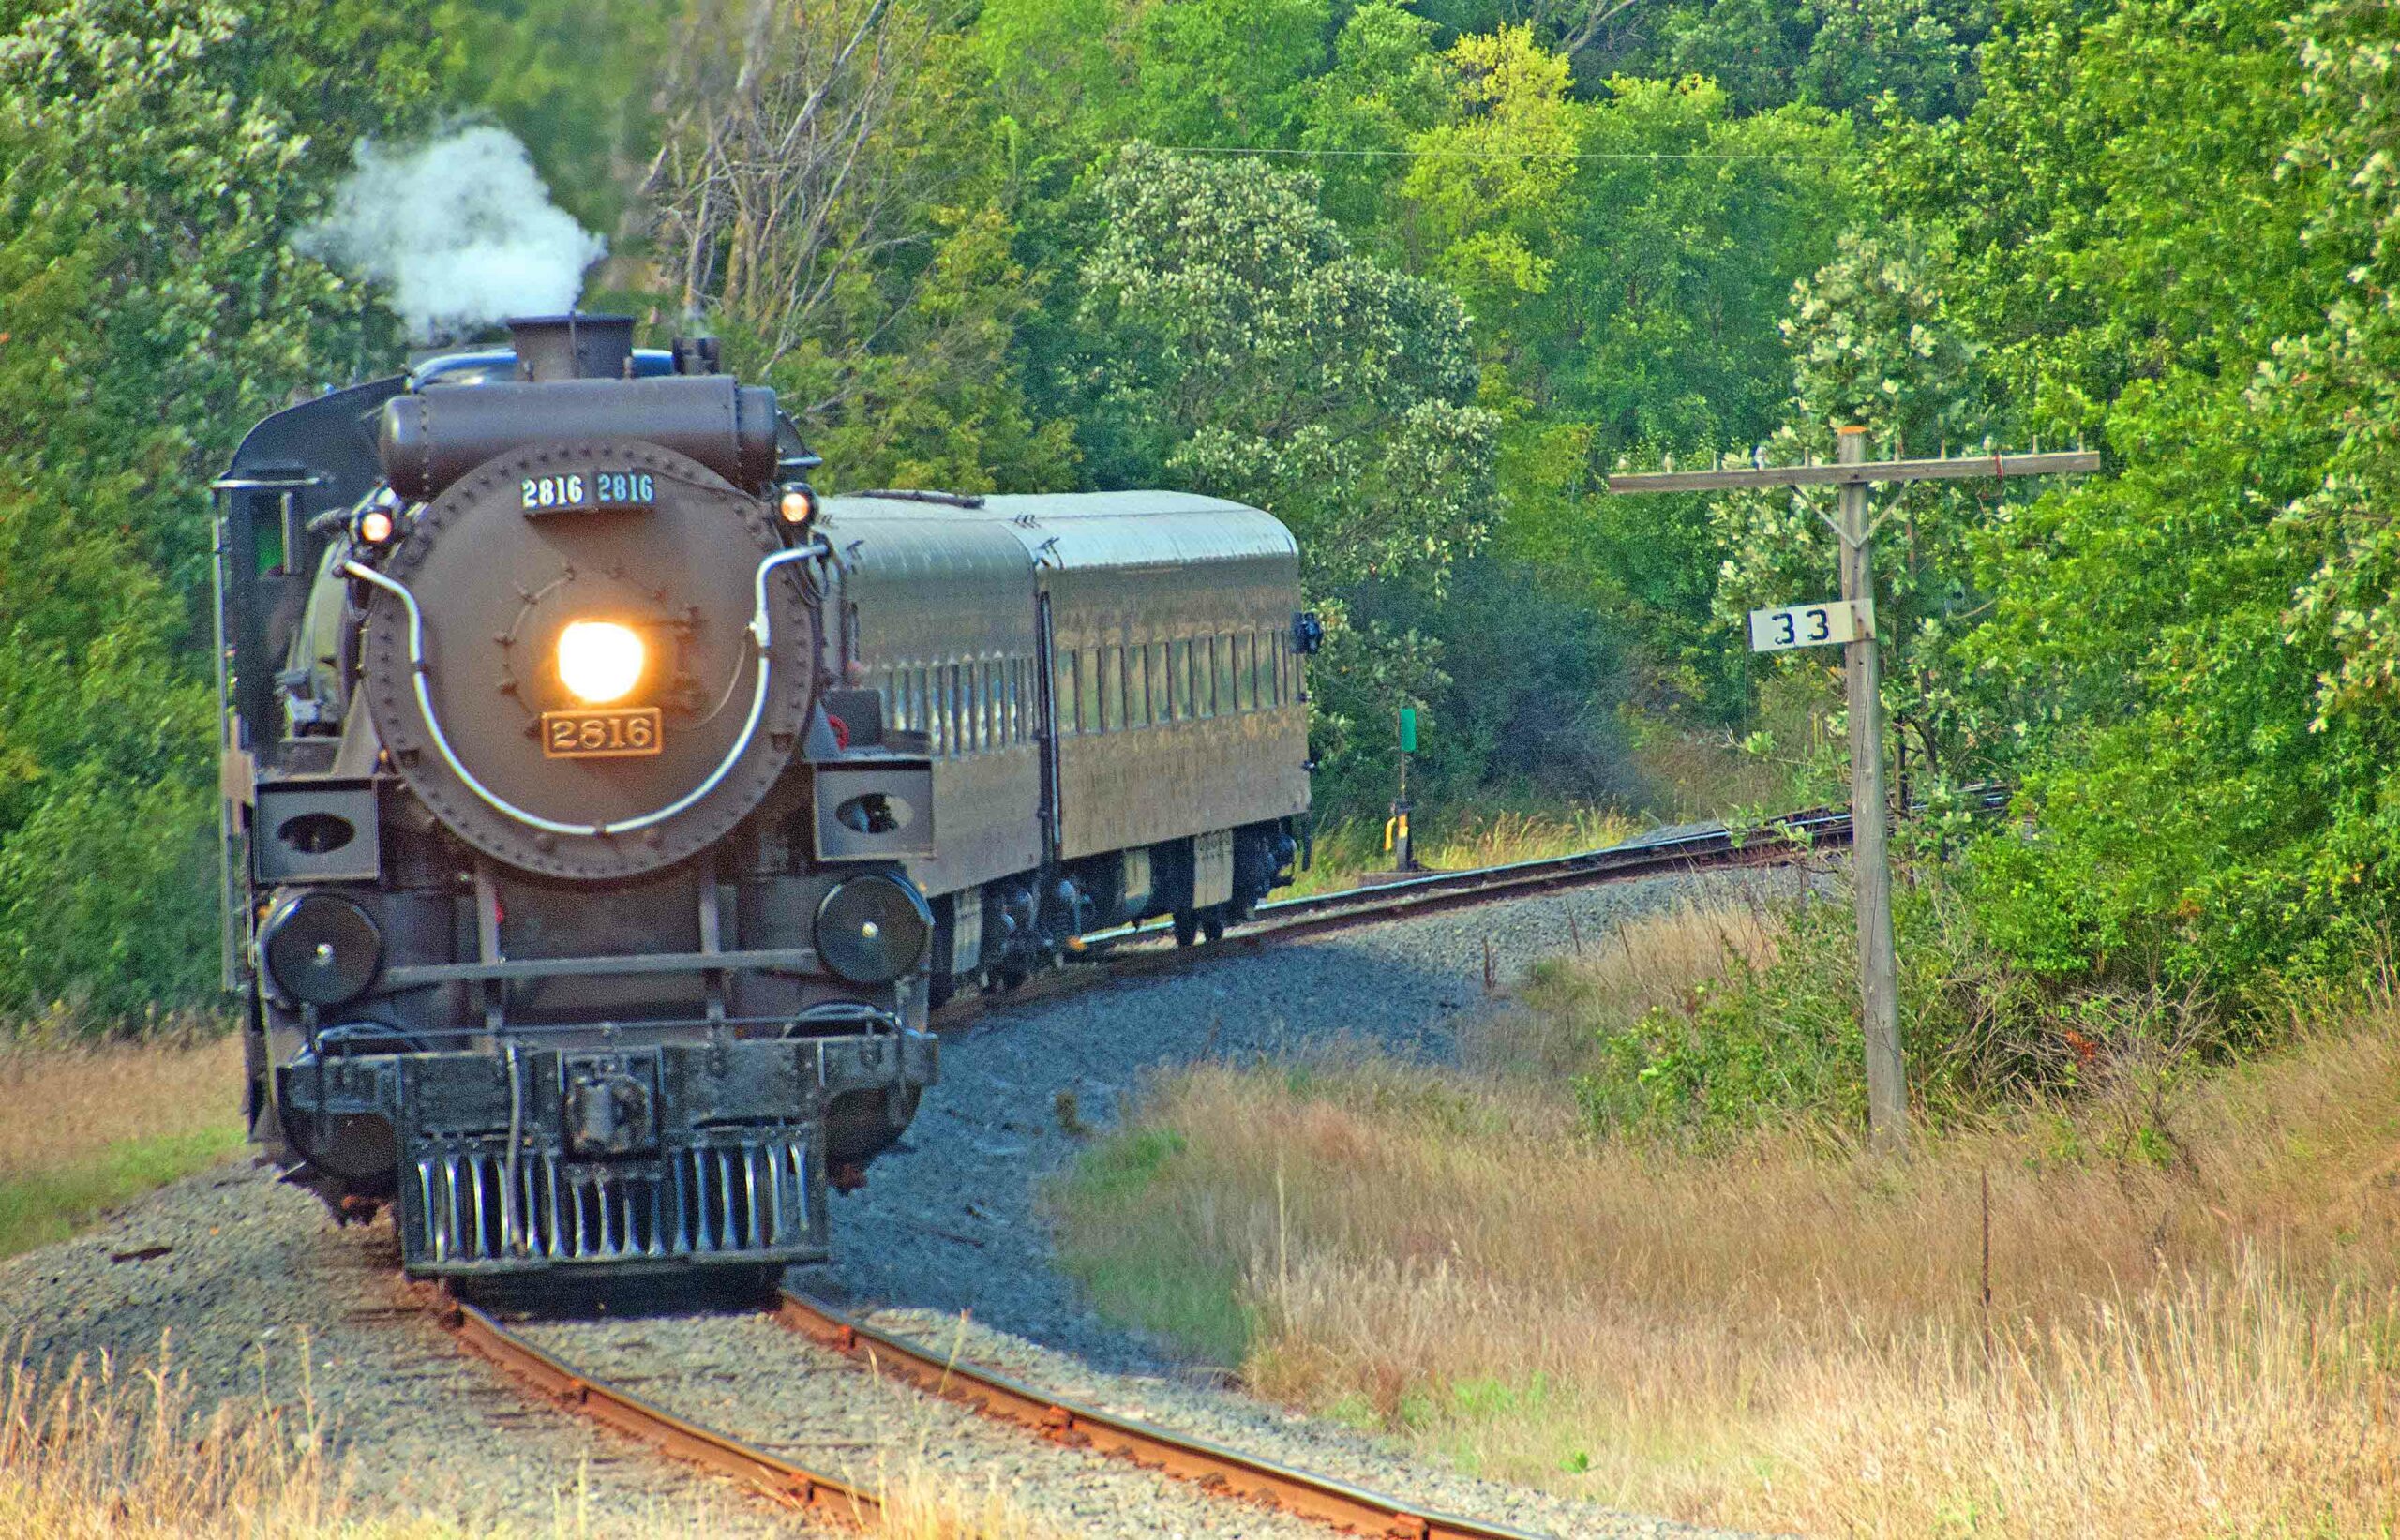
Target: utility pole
[
  {"x": 1851, "y": 623},
  {"x": 1870, "y": 863}
]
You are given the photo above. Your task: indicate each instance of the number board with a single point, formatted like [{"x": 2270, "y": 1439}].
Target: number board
[
  {"x": 616, "y": 734},
  {"x": 577, "y": 491},
  {"x": 1828, "y": 624}
]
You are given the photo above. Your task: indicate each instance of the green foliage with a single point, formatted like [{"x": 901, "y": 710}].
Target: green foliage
[
  {"x": 1621, "y": 301},
  {"x": 2211, "y": 808},
  {"x": 1874, "y": 345},
  {"x": 1780, "y": 1042},
  {"x": 567, "y": 77},
  {"x": 152, "y": 159},
  {"x": 1239, "y": 346}
]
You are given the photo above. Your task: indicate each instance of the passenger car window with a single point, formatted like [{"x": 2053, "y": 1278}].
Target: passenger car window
[
  {"x": 1112, "y": 689},
  {"x": 1179, "y": 676},
  {"x": 1137, "y": 686},
  {"x": 1064, "y": 697},
  {"x": 1245, "y": 675}
]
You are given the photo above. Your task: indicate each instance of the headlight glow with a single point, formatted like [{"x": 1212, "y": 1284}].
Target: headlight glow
[{"x": 600, "y": 660}]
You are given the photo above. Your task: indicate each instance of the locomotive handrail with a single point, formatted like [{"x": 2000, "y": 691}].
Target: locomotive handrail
[
  {"x": 516, "y": 969},
  {"x": 759, "y": 632}
]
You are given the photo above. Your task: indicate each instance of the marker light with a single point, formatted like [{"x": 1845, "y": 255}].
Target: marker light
[
  {"x": 600, "y": 660},
  {"x": 375, "y": 526},
  {"x": 873, "y": 928},
  {"x": 797, "y": 505}
]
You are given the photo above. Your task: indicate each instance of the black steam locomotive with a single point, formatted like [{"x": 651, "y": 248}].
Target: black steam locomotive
[{"x": 604, "y": 810}]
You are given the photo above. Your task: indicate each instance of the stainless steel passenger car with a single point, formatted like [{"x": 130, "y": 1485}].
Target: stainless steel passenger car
[{"x": 604, "y": 810}]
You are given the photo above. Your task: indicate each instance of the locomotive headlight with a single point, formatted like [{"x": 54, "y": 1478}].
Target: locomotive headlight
[
  {"x": 873, "y": 928},
  {"x": 600, "y": 660}
]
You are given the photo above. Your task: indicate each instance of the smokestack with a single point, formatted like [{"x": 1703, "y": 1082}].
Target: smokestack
[{"x": 572, "y": 346}]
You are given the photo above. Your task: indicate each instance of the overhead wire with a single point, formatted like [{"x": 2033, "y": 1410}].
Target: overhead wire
[{"x": 1501, "y": 155}]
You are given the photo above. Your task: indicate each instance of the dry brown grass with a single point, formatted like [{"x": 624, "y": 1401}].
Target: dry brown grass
[
  {"x": 1349, "y": 852},
  {"x": 1779, "y": 762},
  {"x": 111, "y": 1122},
  {"x": 921, "y": 1503},
  {"x": 95, "y": 1453},
  {"x": 2198, "y": 1337},
  {"x": 92, "y": 1097}
]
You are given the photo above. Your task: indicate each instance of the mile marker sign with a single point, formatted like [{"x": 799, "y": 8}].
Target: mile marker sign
[{"x": 1833, "y": 623}]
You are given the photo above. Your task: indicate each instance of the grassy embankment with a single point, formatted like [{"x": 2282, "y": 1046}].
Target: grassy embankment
[
  {"x": 2192, "y": 1324},
  {"x": 98, "y": 1125}
]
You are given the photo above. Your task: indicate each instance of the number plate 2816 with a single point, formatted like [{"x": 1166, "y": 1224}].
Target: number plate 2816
[{"x": 601, "y": 735}]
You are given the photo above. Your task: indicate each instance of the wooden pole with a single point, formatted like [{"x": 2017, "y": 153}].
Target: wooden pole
[{"x": 1887, "y": 1089}]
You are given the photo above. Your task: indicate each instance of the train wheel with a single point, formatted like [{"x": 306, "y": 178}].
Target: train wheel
[
  {"x": 1187, "y": 927},
  {"x": 1212, "y": 922}
]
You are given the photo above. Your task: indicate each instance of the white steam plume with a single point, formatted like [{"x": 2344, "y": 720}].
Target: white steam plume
[{"x": 460, "y": 230}]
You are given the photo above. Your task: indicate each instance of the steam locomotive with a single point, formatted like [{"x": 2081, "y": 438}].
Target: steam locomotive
[{"x": 604, "y": 810}]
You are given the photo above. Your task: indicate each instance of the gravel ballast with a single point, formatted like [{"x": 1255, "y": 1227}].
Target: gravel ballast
[
  {"x": 948, "y": 1226},
  {"x": 255, "y": 1276}
]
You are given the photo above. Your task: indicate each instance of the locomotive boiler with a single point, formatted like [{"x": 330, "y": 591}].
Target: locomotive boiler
[{"x": 605, "y": 811}]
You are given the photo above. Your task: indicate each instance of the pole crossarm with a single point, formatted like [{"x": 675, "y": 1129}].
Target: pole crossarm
[{"x": 1950, "y": 468}]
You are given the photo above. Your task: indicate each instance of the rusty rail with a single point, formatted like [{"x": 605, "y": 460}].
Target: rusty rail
[
  {"x": 1214, "y": 1467},
  {"x": 779, "y": 1479}
]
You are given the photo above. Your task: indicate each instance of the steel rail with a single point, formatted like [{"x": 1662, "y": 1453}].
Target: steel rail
[
  {"x": 1790, "y": 836},
  {"x": 560, "y": 1383},
  {"x": 1222, "y": 1471},
  {"x": 1781, "y": 839}
]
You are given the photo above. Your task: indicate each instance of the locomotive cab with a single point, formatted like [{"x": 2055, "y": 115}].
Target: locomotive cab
[{"x": 521, "y": 661}]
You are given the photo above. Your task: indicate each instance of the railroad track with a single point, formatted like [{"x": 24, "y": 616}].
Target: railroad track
[
  {"x": 1141, "y": 950},
  {"x": 1214, "y": 1467},
  {"x": 1786, "y": 837},
  {"x": 1225, "y": 1472}
]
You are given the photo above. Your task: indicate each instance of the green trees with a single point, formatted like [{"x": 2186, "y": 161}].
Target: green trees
[
  {"x": 1413, "y": 276},
  {"x": 2148, "y": 259},
  {"x": 153, "y": 158},
  {"x": 1873, "y": 343},
  {"x": 1238, "y": 345}
]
